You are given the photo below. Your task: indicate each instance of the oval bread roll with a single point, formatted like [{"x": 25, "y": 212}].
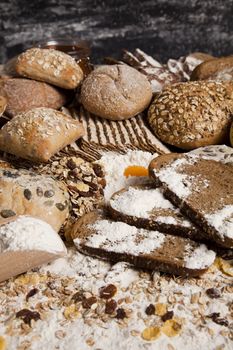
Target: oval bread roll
[{"x": 25, "y": 94}]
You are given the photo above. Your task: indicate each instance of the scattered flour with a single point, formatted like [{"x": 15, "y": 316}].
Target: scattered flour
[
  {"x": 28, "y": 233},
  {"x": 115, "y": 164},
  {"x": 222, "y": 221},
  {"x": 200, "y": 258}
]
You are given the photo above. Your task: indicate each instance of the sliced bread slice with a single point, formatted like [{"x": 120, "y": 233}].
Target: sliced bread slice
[
  {"x": 202, "y": 187},
  {"x": 146, "y": 207},
  {"x": 25, "y": 243},
  {"x": 96, "y": 235}
]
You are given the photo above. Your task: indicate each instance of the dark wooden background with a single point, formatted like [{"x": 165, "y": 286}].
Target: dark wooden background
[{"x": 162, "y": 28}]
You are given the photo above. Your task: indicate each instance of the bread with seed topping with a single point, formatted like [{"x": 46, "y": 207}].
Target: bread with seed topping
[
  {"x": 96, "y": 235},
  {"x": 48, "y": 65},
  {"x": 25, "y": 94},
  {"x": 193, "y": 114},
  {"x": 24, "y": 192},
  {"x": 39, "y": 133},
  {"x": 201, "y": 186}
]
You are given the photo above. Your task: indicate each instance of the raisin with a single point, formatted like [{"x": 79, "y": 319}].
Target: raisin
[
  {"x": 167, "y": 316},
  {"x": 27, "y": 316},
  {"x": 110, "y": 306},
  {"x": 213, "y": 293},
  {"x": 31, "y": 293},
  {"x": 150, "y": 310},
  {"x": 87, "y": 303},
  {"x": 108, "y": 291},
  {"x": 120, "y": 314}
]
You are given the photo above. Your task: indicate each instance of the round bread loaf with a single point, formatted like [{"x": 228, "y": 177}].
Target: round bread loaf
[
  {"x": 116, "y": 92},
  {"x": 25, "y": 94},
  {"x": 193, "y": 114}
]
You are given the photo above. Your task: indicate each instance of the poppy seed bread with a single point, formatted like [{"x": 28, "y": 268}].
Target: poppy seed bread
[{"x": 193, "y": 114}]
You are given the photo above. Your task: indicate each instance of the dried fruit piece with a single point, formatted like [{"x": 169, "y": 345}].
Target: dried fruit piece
[
  {"x": 150, "y": 310},
  {"x": 27, "y": 194},
  {"x": 136, "y": 170},
  {"x": 71, "y": 313},
  {"x": 225, "y": 266},
  {"x": 167, "y": 316},
  {"x": 29, "y": 279},
  {"x": 215, "y": 316},
  {"x": 88, "y": 302},
  {"x": 110, "y": 306},
  {"x": 31, "y": 293},
  {"x": 120, "y": 314},
  {"x": 160, "y": 309},
  {"x": 213, "y": 293},
  {"x": 108, "y": 291},
  {"x": 27, "y": 316},
  {"x": 171, "y": 327},
  {"x": 2, "y": 343},
  {"x": 78, "y": 296},
  {"x": 151, "y": 333}
]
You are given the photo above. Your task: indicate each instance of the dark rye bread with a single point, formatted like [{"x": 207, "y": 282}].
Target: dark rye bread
[
  {"x": 201, "y": 185},
  {"x": 146, "y": 207},
  {"x": 96, "y": 235}
]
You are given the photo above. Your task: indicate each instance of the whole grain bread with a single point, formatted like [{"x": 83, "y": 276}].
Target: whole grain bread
[
  {"x": 146, "y": 207},
  {"x": 39, "y": 133},
  {"x": 24, "y": 192},
  {"x": 116, "y": 92},
  {"x": 48, "y": 65},
  {"x": 25, "y": 94},
  {"x": 96, "y": 235},
  {"x": 193, "y": 114},
  {"x": 25, "y": 243},
  {"x": 202, "y": 188}
]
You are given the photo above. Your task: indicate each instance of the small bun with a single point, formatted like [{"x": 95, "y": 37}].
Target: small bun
[
  {"x": 116, "y": 92},
  {"x": 193, "y": 114}
]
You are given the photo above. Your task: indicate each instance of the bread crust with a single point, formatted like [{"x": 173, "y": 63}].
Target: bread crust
[
  {"x": 169, "y": 258},
  {"x": 47, "y": 65},
  {"x": 215, "y": 69},
  {"x": 192, "y": 114},
  {"x": 39, "y": 133},
  {"x": 151, "y": 223},
  {"x": 116, "y": 92},
  {"x": 25, "y": 94}
]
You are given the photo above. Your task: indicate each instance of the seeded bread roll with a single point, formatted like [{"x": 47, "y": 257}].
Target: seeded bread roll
[
  {"x": 39, "y": 133},
  {"x": 220, "y": 69},
  {"x": 48, "y": 65},
  {"x": 25, "y": 94},
  {"x": 26, "y": 193},
  {"x": 116, "y": 92},
  {"x": 193, "y": 114},
  {"x": 25, "y": 243}
]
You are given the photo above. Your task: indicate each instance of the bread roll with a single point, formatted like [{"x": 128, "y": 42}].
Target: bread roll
[
  {"x": 26, "y": 193},
  {"x": 220, "y": 69},
  {"x": 25, "y": 94},
  {"x": 116, "y": 92},
  {"x": 39, "y": 133},
  {"x": 193, "y": 114},
  {"x": 48, "y": 65}
]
